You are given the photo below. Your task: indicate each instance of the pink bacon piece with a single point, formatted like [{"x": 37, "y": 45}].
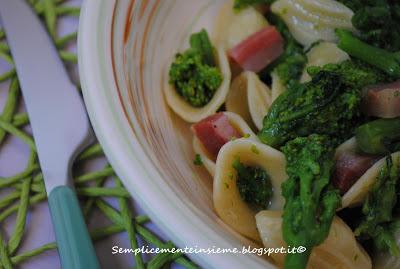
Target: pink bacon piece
[
  {"x": 350, "y": 166},
  {"x": 258, "y": 50},
  {"x": 383, "y": 100},
  {"x": 214, "y": 131}
]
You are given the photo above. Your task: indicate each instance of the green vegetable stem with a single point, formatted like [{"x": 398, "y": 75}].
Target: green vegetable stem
[
  {"x": 202, "y": 45},
  {"x": 380, "y": 136},
  {"x": 388, "y": 62},
  {"x": 311, "y": 202},
  {"x": 377, "y": 22}
]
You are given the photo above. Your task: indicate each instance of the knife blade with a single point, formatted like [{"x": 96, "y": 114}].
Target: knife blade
[
  {"x": 59, "y": 123},
  {"x": 58, "y": 118}
]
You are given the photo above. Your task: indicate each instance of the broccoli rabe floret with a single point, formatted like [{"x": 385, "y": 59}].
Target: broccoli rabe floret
[
  {"x": 194, "y": 74},
  {"x": 354, "y": 73},
  {"x": 311, "y": 201},
  {"x": 325, "y": 105},
  {"x": 254, "y": 185},
  {"x": 329, "y": 104}
]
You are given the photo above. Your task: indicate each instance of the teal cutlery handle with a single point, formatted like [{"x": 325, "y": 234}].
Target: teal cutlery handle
[{"x": 74, "y": 244}]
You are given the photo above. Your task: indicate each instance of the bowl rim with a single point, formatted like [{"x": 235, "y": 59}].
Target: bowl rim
[{"x": 135, "y": 169}]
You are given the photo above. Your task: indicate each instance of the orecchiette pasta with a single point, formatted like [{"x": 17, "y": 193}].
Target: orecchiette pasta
[
  {"x": 194, "y": 114},
  {"x": 340, "y": 249},
  {"x": 322, "y": 54},
  {"x": 358, "y": 192},
  {"x": 231, "y": 27},
  {"x": 239, "y": 124},
  {"x": 277, "y": 87},
  {"x": 313, "y": 20},
  {"x": 250, "y": 98},
  {"x": 348, "y": 145},
  {"x": 227, "y": 201}
]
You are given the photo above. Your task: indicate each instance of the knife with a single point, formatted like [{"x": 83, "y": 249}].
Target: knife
[{"x": 59, "y": 123}]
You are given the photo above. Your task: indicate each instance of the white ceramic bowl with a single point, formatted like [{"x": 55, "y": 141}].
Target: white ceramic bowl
[{"x": 123, "y": 48}]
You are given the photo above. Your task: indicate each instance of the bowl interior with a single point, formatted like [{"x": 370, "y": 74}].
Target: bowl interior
[
  {"x": 154, "y": 36},
  {"x": 149, "y": 146}
]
